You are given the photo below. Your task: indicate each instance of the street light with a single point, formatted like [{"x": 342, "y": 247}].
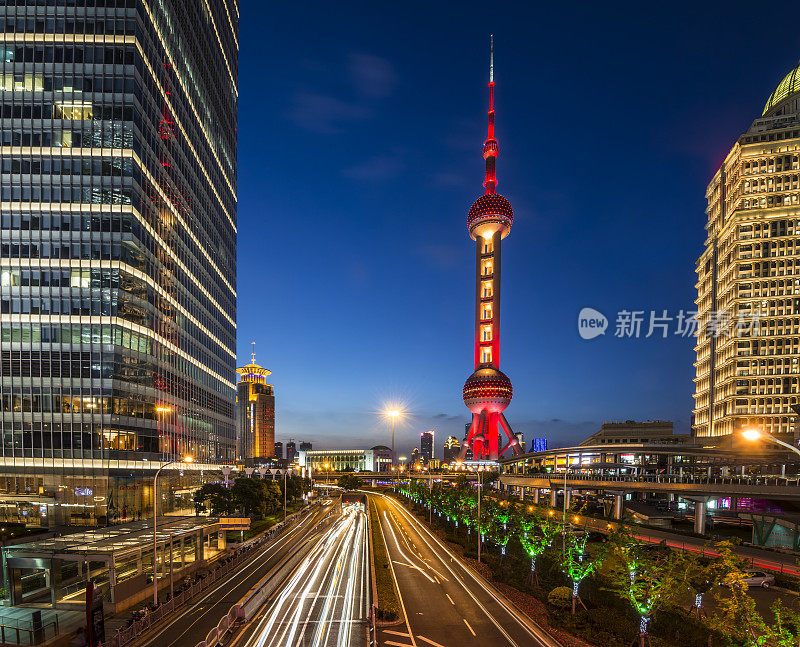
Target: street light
[
  {"x": 185, "y": 459},
  {"x": 393, "y": 415},
  {"x": 757, "y": 434}
]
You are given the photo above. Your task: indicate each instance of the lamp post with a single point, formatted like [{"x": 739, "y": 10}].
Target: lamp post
[
  {"x": 567, "y": 468},
  {"x": 393, "y": 415},
  {"x": 480, "y": 487},
  {"x": 757, "y": 434},
  {"x": 186, "y": 459}
]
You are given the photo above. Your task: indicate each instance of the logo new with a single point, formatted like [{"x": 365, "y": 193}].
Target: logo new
[{"x": 591, "y": 323}]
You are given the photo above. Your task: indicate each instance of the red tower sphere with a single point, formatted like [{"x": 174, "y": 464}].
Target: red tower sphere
[
  {"x": 488, "y": 391},
  {"x": 488, "y": 388}
]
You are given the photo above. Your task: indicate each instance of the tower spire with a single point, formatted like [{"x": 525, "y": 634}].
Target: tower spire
[
  {"x": 254, "y": 353},
  {"x": 490, "y": 148}
]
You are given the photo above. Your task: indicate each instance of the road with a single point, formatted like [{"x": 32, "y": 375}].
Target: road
[
  {"x": 324, "y": 602},
  {"x": 445, "y": 605},
  {"x": 191, "y": 625}
]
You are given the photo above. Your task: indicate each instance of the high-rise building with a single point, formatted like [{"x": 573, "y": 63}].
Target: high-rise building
[
  {"x": 255, "y": 414},
  {"x": 520, "y": 441},
  {"x": 451, "y": 449},
  {"x": 747, "y": 369},
  {"x": 426, "y": 445},
  {"x": 278, "y": 450},
  {"x": 487, "y": 392},
  {"x": 118, "y": 247},
  {"x": 291, "y": 451},
  {"x": 305, "y": 446}
]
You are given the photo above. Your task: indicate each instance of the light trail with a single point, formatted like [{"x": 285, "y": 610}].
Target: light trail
[{"x": 326, "y": 591}]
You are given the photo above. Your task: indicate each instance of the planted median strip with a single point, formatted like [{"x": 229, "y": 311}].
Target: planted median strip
[{"x": 389, "y": 608}]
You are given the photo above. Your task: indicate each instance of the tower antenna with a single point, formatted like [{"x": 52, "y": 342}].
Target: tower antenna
[
  {"x": 254, "y": 353},
  {"x": 491, "y": 58}
]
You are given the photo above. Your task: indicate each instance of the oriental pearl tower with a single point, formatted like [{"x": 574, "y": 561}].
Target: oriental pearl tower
[{"x": 488, "y": 391}]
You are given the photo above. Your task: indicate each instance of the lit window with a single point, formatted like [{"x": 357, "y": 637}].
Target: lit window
[
  {"x": 77, "y": 111},
  {"x": 486, "y": 355}
]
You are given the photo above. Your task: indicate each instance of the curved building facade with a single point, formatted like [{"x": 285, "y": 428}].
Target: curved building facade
[{"x": 748, "y": 279}]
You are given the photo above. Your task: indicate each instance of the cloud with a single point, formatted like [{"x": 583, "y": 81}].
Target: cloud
[
  {"x": 322, "y": 113},
  {"x": 372, "y": 76},
  {"x": 376, "y": 168}
]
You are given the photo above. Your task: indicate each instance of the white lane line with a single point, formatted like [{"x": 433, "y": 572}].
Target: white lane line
[
  {"x": 468, "y": 627},
  {"x": 400, "y": 550},
  {"x": 428, "y": 640},
  {"x": 396, "y": 633},
  {"x": 451, "y": 599},
  {"x": 533, "y": 630}
]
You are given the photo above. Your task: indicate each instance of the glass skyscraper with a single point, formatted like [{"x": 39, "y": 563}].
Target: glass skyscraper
[{"x": 117, "y": 250}]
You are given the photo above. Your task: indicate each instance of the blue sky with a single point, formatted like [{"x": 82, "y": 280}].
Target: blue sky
[{"x": 361, "y": 126}]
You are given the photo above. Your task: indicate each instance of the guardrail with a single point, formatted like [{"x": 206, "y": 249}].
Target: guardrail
[
  {"x": 666, "y": 479},
  {"x": 124, "y": 636}
]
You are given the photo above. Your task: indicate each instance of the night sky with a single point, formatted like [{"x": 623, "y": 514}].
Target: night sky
[{"x": 361, "y": 128}]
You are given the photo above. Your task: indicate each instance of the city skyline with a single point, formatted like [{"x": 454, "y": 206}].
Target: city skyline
[{"x": 648, "y": 216}]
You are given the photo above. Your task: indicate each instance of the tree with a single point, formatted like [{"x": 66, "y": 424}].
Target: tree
[
  {"x": 536, "y": 533},
  {"x": 217, "y": 496},
  {"x": 249, "y": 496},
  {"x": 577, "y": 563},
  {"x": 349, "y": 482},
  {"x": 736, "y": 616},
  {"x": 701, "y": 574}
]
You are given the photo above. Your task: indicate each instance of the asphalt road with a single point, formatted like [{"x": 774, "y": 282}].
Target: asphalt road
[
  {"x": 445, "y": 604},
  {"x": 324, "y": 602},
  {"x": 191, "y": 624}
]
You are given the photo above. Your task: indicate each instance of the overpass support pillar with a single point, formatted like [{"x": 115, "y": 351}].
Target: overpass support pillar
[
  {"x": 568, "y": 498},
  {"x": 536, "y": 496},
  {"x": 619, "y": 505},
  {"x": 521, "y": 493},
  {"x": 553, "y": 501},
  {"x": 700, "y": 509}
]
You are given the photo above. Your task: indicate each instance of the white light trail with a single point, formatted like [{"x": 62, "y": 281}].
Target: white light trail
[{"x": 327, "y": 588}]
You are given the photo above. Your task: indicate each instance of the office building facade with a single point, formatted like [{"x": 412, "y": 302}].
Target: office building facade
[
  {"x": 117, "y": 248},
  {"x": 426, "y": 445},
  {"x": 451, "y": 449},
  {"x": 748, "y": 290},
  {"x": 291, "y": 451}
]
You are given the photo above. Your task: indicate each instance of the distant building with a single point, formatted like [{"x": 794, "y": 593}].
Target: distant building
[
  {"x": 451, "y": 449},
  {"x": 291, "y": 451},
  {"x": 426, "y": 445},
  {"x": 416, "y": 458},
  {"x": 377, "y": 459},
  {"x": 304, "y": 446},
  {"x": 255, "y": 414},
  {"x": 539, "y": 445},
  {"x": 520, "y": 441},
  {"x": 631, "y": 431},
  {"x": 278, "y": 450}
]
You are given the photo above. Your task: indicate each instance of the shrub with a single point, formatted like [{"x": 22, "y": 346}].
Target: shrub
[{"x": 560, "y": 597}]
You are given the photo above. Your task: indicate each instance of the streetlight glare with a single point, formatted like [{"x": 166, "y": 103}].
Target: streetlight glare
[
  {"x": 188, "y": 459},
  {"x": 751, "y": 434}
]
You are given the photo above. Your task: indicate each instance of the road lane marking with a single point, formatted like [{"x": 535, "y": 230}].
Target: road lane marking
[
  {"x": 472, "y": 631},
  {"x": 533, "y": 629},
  {"x": 428, "y": 640},
  {"x": 391, "y": 642},
  {"x": 396, "y": 633},
  {"x": 451, "y": 599}
]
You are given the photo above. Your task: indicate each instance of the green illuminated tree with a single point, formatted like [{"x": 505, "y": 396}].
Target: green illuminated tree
[
  {"x": 536, "y": 533},
  {"x": 577, "y": 562}
]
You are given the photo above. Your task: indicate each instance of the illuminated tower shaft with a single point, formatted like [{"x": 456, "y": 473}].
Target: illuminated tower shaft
[{"x": 488, "y": 391}]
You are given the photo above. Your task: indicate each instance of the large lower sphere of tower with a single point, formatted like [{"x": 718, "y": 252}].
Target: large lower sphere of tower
[{"x": 489, "y": 389}]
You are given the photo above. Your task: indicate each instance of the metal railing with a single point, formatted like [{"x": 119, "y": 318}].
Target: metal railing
[
  {"x": 13, "y": 635},
  {"x": 759, "y": 481}
]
